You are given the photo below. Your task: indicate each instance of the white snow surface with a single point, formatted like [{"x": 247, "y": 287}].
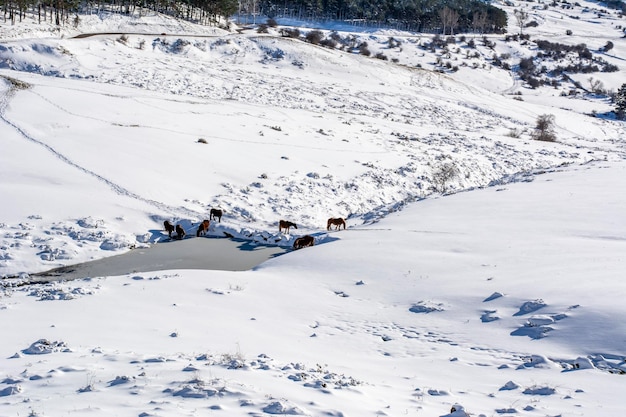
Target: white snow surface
[{"x": 498, "y": 290}]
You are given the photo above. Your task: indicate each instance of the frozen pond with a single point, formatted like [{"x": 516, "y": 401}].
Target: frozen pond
[{"x": 193, "y": 253}]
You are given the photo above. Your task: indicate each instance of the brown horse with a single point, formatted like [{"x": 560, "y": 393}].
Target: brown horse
[
  {"x": 169, "y": 228},
  {"x": 303, "y": 242},
  {"x": 203, "y": 228},
  {"x": 337, "y": 222},
  {"x": 284, "y": 224},
  {"x": 180, "y": 232},
  {"x": 216, "y": 214}
]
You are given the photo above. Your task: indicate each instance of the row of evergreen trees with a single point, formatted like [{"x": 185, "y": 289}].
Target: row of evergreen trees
[
  {"x": 437, "y": 16},
  {"x": 206, "y": 12},
  {"x": 417, "y": 15}
]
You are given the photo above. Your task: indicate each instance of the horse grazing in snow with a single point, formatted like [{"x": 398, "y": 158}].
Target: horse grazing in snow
[
  {"x": 337, "y": 222},
  {"x": 203, "y": 228},
  {"x": 216, "y": 214},
  {"x": 169, "y": 228},
  {"x": 180, "y": 232},
  {"x": 303, "y": 242},
  {"x": 284, "y": 224}
]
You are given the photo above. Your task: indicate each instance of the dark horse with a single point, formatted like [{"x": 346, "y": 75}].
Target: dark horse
[
  {"x": 180, "y": 232},
  {"x": 284, "y": 224},
  {"x": 216, "y": 214},
  {"x": 169, "y": 228},
  {"x": 303, "y": 242},
  {"x": 203, "y": 228},
  {"x": 337, "y": 222}
]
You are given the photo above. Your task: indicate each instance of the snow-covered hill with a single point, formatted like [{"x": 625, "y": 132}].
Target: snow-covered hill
[
  {"x": 481, "y": 270},
  {"x": 293, "y": 130}
]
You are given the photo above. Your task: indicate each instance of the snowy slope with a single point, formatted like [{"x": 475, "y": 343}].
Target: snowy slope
[{"x": 481, "y": 270}]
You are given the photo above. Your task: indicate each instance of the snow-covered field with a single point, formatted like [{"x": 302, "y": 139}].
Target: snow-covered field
[{"x": 503, "y": 297}]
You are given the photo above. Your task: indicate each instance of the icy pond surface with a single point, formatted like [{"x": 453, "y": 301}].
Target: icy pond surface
[{"x": 194, "y": 253}]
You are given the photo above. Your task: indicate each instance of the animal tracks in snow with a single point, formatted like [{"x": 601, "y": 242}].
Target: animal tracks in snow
[{"x": 117, "y": 188}]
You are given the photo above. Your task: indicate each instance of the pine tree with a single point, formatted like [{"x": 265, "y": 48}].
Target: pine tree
[{"x": 620, "y": 103}]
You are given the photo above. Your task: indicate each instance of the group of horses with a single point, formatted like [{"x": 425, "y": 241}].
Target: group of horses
[
  {"x": 308, "y": 240},
  {"x": 299, "y": 243},
  {"x": 333, "y": 221},
  {"x": 203, "y": 228},
  {"x": 170, "y": 228}
]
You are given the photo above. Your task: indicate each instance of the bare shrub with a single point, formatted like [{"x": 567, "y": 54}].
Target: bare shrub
[
  {"x": 393, "y": 43},
  {"x": 329, "y": 43},
  {"x": 334, "y": 35},
  {"x": 596, "y": 86},
  {"x": 179, "y": 45},
  {"x": 527, "y": 65},
  {"x": 443, "y": 174},
  {"x": 290, "y": 33},
  {"x": 16, "y": 84},
  {"x": 606, "y": 48},
  {"x": 364, "y": 50},
  {"x": 533, "y": 82},
  {"x": 437, "y": 42},
  {"x": 514, "y": 133},
  {"x": 314, "y": 37},
  {"x": 544, "y": 128}
]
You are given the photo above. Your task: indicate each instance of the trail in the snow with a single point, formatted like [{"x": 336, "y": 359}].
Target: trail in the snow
[{"x": 178, "y": 211}]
